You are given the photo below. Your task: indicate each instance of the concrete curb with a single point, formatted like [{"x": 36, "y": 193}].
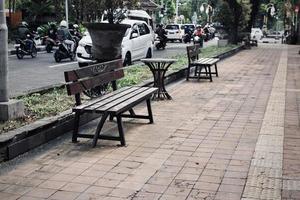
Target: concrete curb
[{"x": 19, "y": 141}]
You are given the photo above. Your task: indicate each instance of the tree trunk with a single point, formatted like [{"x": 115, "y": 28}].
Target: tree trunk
[
  {"x": 254, "y": 12},
  {"x": 236, "y": 10},
  {"x": 3, "y": 55},
  {"x": 9, "y": 12}
]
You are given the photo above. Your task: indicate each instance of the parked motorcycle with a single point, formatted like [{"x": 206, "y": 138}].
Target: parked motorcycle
[
  {"x": 26, "y": 47},
  {"x": 160, "y": 43},
  {"x": 64, "y": 52}
]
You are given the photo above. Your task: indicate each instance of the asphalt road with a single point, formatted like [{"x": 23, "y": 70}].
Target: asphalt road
[{"x": 31, "y": 74}]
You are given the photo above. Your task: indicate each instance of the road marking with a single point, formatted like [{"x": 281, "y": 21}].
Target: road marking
[{"x": 63, "y": 64}]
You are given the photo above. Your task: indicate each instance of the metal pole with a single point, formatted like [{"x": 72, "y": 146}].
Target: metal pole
[
  {"x": 3, "y": 55},
  {"x": 67, "y": 12}
]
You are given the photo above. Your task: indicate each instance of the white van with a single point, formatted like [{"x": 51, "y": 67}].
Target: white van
[
  {"x": 256, "y": 34},
  {"x": 140, "y": 15}
]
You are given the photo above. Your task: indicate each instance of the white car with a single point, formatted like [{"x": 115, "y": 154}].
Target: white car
[
  {"x": 256, "y": 34},
  {"x": 174, "y": 32},
  {"x": 137, "y": 43}
]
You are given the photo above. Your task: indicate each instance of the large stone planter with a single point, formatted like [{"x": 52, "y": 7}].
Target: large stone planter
[{"x": 107, "y": 40}]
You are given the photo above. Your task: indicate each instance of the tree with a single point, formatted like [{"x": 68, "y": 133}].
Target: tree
[{"x": 234, "y": 15}]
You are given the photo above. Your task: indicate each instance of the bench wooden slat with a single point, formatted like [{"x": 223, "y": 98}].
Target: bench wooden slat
[
  {"x": 86, "y": 84},
  {"x": 111, "y": 102},
  {"x": 202, "y": 60},
  {"x": 207, "y": 61},
  {"x": 92, "y": 70},
  {"x": 106, "y": 96},
  {"x": 132, "y": 101}
]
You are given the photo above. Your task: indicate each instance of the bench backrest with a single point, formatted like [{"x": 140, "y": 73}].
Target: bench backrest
[
  {"x": 193, "y": 52},
  {"x": 79, "y": 80}
]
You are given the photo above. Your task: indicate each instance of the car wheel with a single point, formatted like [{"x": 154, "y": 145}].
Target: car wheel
[
  {"x": 83, "y": 64},
  {"x": 127, "y": 60},
  {"x": 149, "y": 53}
]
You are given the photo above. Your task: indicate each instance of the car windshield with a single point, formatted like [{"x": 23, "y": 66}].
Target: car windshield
[
  {"x": 127, "y": 32},
  {"x": 172, "y": 27}
]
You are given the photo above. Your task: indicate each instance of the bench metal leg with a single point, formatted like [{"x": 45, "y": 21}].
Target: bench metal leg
[
  {"x": 149, "y": 111},
  {"x": 188, "y": 73},
  {"x": 99, "y": 127},
  {"x": 131, "y": 111},
  {"x": 76, "y": 126},
  {"x": 121, "y": 131},
  {"x": 209, "y": 71},
  {"x": 216, "y": 69}
]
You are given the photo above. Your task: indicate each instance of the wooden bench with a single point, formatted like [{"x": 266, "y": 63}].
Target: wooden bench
[
  {"x": 200, "y": 64},
  {"x": 113, "y": 104}
]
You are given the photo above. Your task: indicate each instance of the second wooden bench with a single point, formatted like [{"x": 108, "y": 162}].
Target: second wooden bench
[{"x": 200, "y": 64}]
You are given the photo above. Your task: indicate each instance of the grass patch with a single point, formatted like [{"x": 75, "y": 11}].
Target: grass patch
[{"x": 52, "y": 102}]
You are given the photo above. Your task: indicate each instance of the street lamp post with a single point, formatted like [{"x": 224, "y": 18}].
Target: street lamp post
[
  {"x": 9, "y": 109},
  {"x": 3, "y": 55},
  {"x": 207, "y": 10},
  {"x": 67, "y": 11}
]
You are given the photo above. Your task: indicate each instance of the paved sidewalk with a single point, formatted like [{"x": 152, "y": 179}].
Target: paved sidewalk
[{"x": 235, "y": 138}]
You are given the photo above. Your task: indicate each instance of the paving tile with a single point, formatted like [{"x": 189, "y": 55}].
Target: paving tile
[
  {"x": 146, "y": 196},
  {"x": 17, "y": 189},
  {"x": 29, "y": 198},
  {"x": 98, "y": 190},
  {"x": 89, "y": 196},
  {"x": 200, "y": 194},
  {"x": 74, "y": 187},
  {"x": 64, "y": 195},
  {"x": 227, "y": 196},
  {"x": 123, "y": 193},
  {"x": 40, "y": 192},
  {"x": 84, "y": 180},
  {"x": 52, "y": 184},
  {"x": 205, "y": 186}
]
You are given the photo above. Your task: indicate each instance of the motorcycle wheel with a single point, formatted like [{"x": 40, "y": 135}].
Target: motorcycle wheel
[
  {"x": 34, "y": 52},
  {"x": 20, "y": 54},
  {"x": 57, "y": 57},
  {"x": 49, "y": 48}
]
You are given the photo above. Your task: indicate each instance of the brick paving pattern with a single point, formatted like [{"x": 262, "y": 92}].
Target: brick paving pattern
[{"x": 235, "y": 138}]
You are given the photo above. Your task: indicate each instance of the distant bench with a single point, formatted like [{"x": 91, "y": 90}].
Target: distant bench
[
  {"x": 200, "y": 64},
  {"x": 113, "y": 104}
]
